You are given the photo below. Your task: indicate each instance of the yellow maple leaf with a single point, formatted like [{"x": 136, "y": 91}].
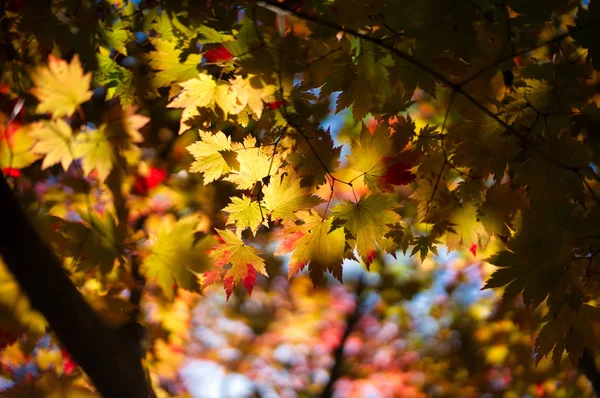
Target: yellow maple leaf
[
  {"x": 368, "y": 153},
  {"x": 15, "y": 147},
  {"x": 467, "y": 230},
  {"x": 227, "y": 100},
  {"x": 368, "y": 221},
  {"x": 245, "y": 261},
  {"x": 232, "y": 98},
  {"x": 254, "y": 98},
  {"x": 170, "y": 68},
  {"x": 176, "y": 257},
  {"x": 208, "y": 155},
  {"x": 54, "y": 140},
  {"x": 96, "y": 152},
  {"x": 314, "y": 245},
  {"x": 195, "y": 93},
  {"x": 244, "y": 213},
  {"x": 61, "y": 87},
  {"x": 284, "y": 196},
  {"x": 255, "y": 163}
]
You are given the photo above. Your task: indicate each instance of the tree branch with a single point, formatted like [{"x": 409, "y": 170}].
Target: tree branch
[
  {"x": 338, "y": 353},
  {"x": 114, "y": 366}
]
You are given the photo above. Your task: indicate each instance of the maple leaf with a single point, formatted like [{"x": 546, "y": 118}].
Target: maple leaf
[
  {"x": 115, "y": 36},
  {"x": 314, "y": 245},
  {"x": 403, "y": 131},
  {"x": 55, "y": 141},
  {"x": 255, "y": 163},
  {"x": 244, "y": 213},
  {"x": 95, "y": 242},
  {"x": 483, "y": 146},
  {"x": 10, "y": 172},
  {"x": 176, "y": 256},
  {"x": 587, "y": 38},
  {"x": 170, "y": 63},
  {"x": 245, "y": 261},
  {"x": 275, "y": 104},
  {"x": 195, "y": 93},
  {"x": 368, "y": 153},
  {"x": 396, "y": 173},
  {"x": 219, "y": 54},
  {"x": 117, "y": 80},
  {"x": 208, "y": 155},
  {"x": 254, "y": 98},
  {"x": 227, "y": 100},
  {"x": 124, "y": 124},
  {"x": 423, "y": 245},
  {"x": 152, "y": 179},
  {"x": 529, "y": 251},
  {"x": 61, "y": 87},
  {"x": 284, "y": 196},
  {"x": 497, "y": 211},
  {"x": 96, "y": 152},
  {"x": 466, "y": 229},
  {"x": 306, "y": 158},
  {"x": 15, "y": 147},
  {"x": 368, "y": 221}
]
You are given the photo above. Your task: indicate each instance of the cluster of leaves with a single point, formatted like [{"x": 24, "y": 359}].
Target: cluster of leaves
[{"x": 504, "y": 166}]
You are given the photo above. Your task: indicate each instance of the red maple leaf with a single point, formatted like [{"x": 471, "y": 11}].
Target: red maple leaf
[
  {"x": 154, "y": 178},
  {"x": 69, "y": 364},
  {"x": 219, "y": 54},
  {"x": 10, "y": 172},
  {"x": 275, "y": 104},
  {"x": 398, "y": 174}
]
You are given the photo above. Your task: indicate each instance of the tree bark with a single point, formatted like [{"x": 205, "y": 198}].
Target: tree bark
[
  {"x": 112, "y": 363},
  {"x": 587, "y": 364}
]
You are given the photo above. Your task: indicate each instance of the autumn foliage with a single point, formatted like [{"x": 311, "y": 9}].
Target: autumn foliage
[{"x": 165, "y": 150}]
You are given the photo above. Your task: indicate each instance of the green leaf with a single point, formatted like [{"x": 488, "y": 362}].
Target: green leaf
[
  {"x": 284, "y": 196},
  {"x": 171, "y": 64},
  {"x": 96, "y": 152},
  {"x": 116, "y": 36},
  {"x": 368, "y": 220},
  {"x": 176, "y": 256},
  {"x": 244, "y": 213},
  {"x": 117, "y": 80}
]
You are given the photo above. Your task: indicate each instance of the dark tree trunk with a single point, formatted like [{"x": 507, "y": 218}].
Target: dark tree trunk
[{"x": 111, "y": 362}]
